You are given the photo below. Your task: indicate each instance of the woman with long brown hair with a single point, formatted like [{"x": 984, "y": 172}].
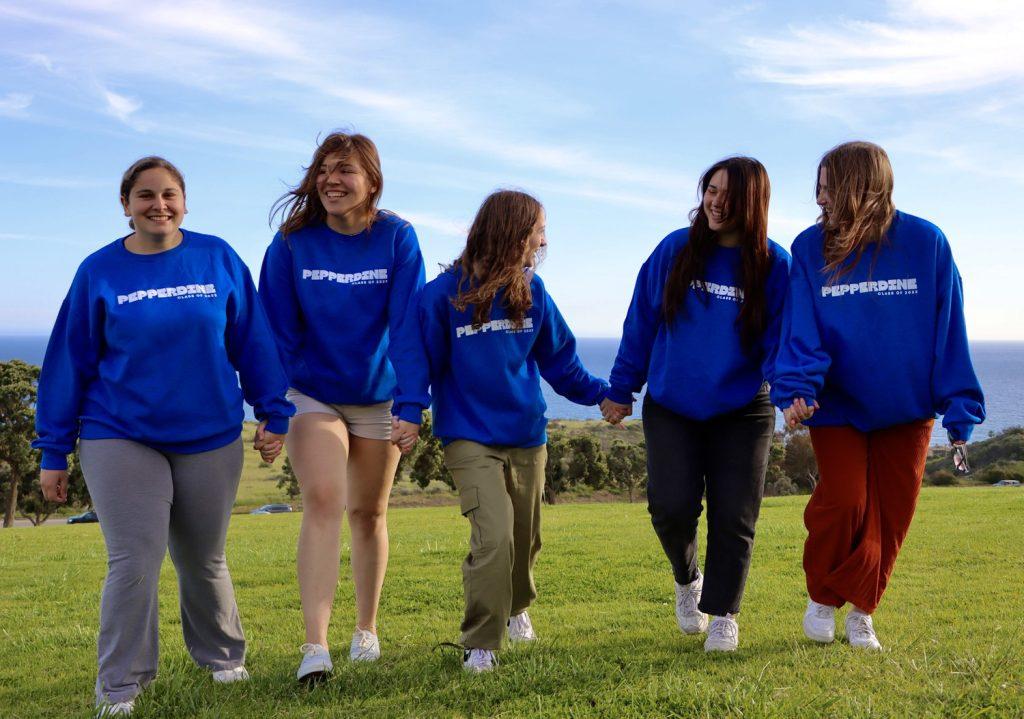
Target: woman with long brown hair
[
  {"x": 491, "y": 331},
  {"x": 874, "y": 346},
  {"x": 702, "y": 332},
  {"x": 337, "y": 282}
]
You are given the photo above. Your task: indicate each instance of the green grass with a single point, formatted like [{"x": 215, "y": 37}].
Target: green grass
[{"x": 951, "y": 622}]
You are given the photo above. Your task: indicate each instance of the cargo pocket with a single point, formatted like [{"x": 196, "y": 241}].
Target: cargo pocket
[{"x": 469, "y": 503}]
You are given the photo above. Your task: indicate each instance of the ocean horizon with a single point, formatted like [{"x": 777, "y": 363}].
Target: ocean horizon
[{"x": 999, "y": 365}]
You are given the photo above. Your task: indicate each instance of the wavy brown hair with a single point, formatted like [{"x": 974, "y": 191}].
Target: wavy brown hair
[
  {"x": 860, "y": 183},
  {"x": 301, "y": 207},
  {"x": 131, "y": 176},
  {"x": 493, "y": 258},
  {"x": 746, "y": 204}
]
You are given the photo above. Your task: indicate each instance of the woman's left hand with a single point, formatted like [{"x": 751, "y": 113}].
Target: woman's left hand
[
  {"x": 267, "y": 443},
  {"x": 404, "y": 434}
]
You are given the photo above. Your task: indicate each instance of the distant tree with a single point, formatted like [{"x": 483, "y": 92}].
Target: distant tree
[
  {"x": 18, "y": 462},
  {"x": 627, "y": 466},
  {"x": 426, "y": 461},
  {"x": 556, "y": 471},
  {"x": 588, "y": 464},
  {"x": 942, "y": 478},
  {"x": 799, "y": 463},
  {"x": 287, "y": 480},
  {"x": 776, "y": 481}
]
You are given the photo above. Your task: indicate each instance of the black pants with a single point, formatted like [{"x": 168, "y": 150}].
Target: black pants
[{"x": 724, "y": 458}]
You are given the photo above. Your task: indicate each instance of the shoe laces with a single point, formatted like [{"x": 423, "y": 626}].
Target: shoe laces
[
  {"x": 311, "y": 649},
  {"x": 723, "y": 628},
  {"x": 688, "y": 596},
  {"x": 823, "y": 611},
  {"x": 861, "y": 623},
  {"x": 366, "y": 639},
  {"x": 521, "y": 623},
  {"x": 479, "y": 658}
]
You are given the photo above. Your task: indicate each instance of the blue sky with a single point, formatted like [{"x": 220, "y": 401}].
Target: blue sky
[{"x": 607, "y": 111}]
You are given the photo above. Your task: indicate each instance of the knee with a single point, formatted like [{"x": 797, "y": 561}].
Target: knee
[
  {"x": 837, "y": 509},
  {"x": 323, "y": 502},
  {"x": 367, "y": 521},
  {"x": 664, "y": 513}
]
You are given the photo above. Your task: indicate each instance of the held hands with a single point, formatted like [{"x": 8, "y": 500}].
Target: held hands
[
  {"x": 268, "y": 443},
  {"x": 404, "y": 434},
  {"x": 54, "y": 483},
  {"x": 613, "y": 412},
  {"x": 798, "y": 412}
]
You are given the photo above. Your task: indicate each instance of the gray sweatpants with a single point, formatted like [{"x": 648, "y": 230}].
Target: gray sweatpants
[{"x": 148, "y": 502}]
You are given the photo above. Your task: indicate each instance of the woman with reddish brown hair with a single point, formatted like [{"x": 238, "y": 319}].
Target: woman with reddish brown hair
[
  {"x": 874, "y": 346},
  {"x": 491, "y": 331},
  {"x": 702, "y": 332},
  {"x": 338, "y": 282}
]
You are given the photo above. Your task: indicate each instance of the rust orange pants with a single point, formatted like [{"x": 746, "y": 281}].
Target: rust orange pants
[{"x": 861, "y": 509}]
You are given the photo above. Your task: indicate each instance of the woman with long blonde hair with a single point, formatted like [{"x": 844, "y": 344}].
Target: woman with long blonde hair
[{"x": 874, "y": 347}]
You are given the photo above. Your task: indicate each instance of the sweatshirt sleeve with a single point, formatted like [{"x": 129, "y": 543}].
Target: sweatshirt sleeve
[
  {"x": 776, "y": 295},
  {"x": 253, "y": 352},
  {"x": 559, "y": 365},
  {"x": 70, "y": 364},
  {"x": 405, "y": 347},
  {"x": 955, "y": 388},
  {"x": 640, "y": 328},
  {"x": 802, "y": 362},
  {"x": 435, "y": 338},
  {"x": 281, "y": 301}
]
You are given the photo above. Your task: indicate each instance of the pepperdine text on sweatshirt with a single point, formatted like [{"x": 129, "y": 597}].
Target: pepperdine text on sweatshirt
[
  {"x": 146, "y": 348},
  {"x": 885, "y": 344},
  {"x": 486, "y": 380},
  {"x": 697, "y": 366},
  {"x": 342, "y": 309}
]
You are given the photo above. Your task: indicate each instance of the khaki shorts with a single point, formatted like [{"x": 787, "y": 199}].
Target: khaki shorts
[{"x": 371, "y": 421}]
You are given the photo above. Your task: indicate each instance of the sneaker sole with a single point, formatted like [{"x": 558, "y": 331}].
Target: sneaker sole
[
  {"x": 819, "y": 638},
  {"x": 314, "y": 677}
]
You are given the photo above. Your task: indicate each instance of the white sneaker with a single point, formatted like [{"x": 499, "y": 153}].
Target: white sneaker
[
  {"x": 117, "y": 709},
  {"x": 520, "y": 628},
  {"x": 365, "y": 646},
  {"x": 723, "y": 635},
  {"x": 479, "y": 660},
  {"x": 230, "y": 676},
  {"x": 860, "y": 631},
  {"x": 691, "y": 619},
  {"x": 316, "y": 662},
  {"x": 820, "y": 622}
]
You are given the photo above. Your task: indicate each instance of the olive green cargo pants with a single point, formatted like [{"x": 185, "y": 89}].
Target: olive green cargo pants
[{"x": 500, "y": 491}]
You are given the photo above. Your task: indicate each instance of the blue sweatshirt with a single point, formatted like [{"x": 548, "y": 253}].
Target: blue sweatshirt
[
  {"x": 884, "y": 345},
  {"x": 486, "y": 381},
  {"x": 697, "y": 366},
  {"x": 342, "y": 310},
  {"x": 146, "y": 348}
]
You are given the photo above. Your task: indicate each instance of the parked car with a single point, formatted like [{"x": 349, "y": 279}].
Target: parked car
[
  {"x": 1006, "y": 483},
  {"x": 272, "y": 509},
  {"x": 84, "y": 517}
]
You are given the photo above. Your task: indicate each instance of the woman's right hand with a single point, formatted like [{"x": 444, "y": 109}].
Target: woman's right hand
[
  {"x": 798, "y": 412},
  {"x": 55, "y": 484}
]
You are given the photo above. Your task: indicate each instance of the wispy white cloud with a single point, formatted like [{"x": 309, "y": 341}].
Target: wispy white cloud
[
  {"x": 120, "y": 106},
  {"x": 14, "y": 103},
  {"x": 441, "y": 225},
  {"x": 922, "y": 47},
  {"x": 242, "y": 53}
]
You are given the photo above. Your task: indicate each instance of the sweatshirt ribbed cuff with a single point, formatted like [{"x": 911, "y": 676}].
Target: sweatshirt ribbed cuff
[
  {"x": 617, "y": 394},
  {"x": 53, "y": 460},
  {"x": 960, "y": 431},
  {"x": 278, "y": 424},
  {"x": 408, "y": 413}
]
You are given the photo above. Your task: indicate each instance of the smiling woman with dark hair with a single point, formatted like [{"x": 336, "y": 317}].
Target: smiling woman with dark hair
[{"x": 701, "y": 332}]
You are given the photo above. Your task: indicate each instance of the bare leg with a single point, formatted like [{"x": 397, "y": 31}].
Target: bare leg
[
  {"x": 372, "y": 466},
  {"x": 318, "y": 446}
]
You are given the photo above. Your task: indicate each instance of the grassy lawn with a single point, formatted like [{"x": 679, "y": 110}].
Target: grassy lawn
[{"x": 951, "y": 622}]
